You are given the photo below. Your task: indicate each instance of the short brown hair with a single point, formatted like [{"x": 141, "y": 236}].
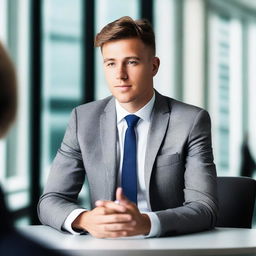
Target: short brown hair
[
  {"x": 8, "y": 94},
  {"x": 126, "y": 27}
]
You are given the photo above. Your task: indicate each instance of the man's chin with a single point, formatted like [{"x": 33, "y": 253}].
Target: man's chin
[{"x": 123, "y": 100}]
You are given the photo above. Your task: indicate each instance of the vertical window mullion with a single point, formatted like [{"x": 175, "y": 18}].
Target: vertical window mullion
[
  {"x": 88, "y": 62},
  {"x": 35, "y": 96},
  {"x": 146, "y": 10}
]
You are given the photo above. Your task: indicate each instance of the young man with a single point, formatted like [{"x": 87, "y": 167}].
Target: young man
[{"x": 148, "y": 158}]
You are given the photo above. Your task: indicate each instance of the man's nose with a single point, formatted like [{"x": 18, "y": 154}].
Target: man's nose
[{"x": 121, "y": 73}]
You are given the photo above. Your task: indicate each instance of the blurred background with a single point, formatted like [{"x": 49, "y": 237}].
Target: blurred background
[{"x": 208, "y": 58}]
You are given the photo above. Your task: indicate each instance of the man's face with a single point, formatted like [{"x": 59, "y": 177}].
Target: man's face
[{"x": 129, "y": 67}]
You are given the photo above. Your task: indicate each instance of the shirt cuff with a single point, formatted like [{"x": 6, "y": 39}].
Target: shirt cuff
[
  {"x": 155, "y": 225},
  {"x": 69, "y": 220}
]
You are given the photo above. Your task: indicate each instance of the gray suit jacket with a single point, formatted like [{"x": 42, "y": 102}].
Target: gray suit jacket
[{"x": 180, "y": 175}]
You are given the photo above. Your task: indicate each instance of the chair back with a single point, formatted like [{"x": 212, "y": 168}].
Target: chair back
[{"x": 236, "y": 201}]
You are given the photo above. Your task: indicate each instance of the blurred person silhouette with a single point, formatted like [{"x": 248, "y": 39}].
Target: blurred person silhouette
[
  {"x": 8, "y": 103},
  {"x": 248, "y": 165},
  {"x": 11, "y": 241}
]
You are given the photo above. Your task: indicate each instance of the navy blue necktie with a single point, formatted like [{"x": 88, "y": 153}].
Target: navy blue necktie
[{"x": 129, "y": 168}]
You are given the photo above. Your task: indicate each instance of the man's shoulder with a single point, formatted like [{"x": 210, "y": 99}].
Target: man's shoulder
[
  {"x": 185, "y": 116},
  {"x": 95, "y": 106},
  {"x": 180, "y": 106}
]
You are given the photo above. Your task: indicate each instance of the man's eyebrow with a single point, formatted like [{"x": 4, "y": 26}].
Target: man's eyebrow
[
  {"x": 108, "y": 59},
  {"x": 132, "y": 57},
  {"x": 126, "y": 58}
]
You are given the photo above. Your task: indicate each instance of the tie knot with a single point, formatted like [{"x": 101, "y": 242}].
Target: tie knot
[{"x": 131, "y": 120}]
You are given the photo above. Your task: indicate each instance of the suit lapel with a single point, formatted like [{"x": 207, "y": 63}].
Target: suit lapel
[
  {"x": 157, "y": 131},
  {"x": 108, "y": 131}
]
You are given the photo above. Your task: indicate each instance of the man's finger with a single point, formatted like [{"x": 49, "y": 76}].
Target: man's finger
[
  {"x": 101, "y": 202},
  {"x": 120, "y": 226},
  {"x": 111, "y": 205},
  {"x": 121, "y": 197},
  {"x": 114, "y": 218}
]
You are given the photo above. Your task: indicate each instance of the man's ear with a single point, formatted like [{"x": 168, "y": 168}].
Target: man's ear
[{"x": 156, "y": 64}]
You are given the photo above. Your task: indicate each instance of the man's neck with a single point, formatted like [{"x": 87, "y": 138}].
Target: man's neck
[{"x": 133, "y": 107}]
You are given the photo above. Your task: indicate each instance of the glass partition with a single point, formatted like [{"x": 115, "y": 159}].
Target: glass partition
[{"x": 62, "y": 72}]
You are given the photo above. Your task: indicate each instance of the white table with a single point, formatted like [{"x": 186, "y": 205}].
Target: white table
[{"x": 220, "y": 241}]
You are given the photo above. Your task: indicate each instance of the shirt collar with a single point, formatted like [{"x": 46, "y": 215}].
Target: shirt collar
[{"x": 144, "y": 113}]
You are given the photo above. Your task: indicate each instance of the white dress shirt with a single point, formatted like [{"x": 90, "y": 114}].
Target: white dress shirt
[{"x": 141, "y": 130}]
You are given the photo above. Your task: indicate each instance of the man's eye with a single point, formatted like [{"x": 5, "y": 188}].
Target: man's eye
[
  {"x": 132, "y": 62},
  {"x": 110, "y": 64}
]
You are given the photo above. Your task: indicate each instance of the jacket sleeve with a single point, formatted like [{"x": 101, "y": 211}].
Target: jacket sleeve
[
  {"x": 200, "y": 208},
  {"x": 65, "y": 180}
]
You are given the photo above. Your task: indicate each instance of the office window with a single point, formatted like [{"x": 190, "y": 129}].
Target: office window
[
  {"x": 252, "y": 91},
  {"x": 14, "y": 150},
  {"x": 105, "y": 12},
  {"x": 219, "y": 89},
  {"x": 3, "y": 20},
  {"x": 236, "y": 98},
  {"x": 3, "y": 37},
  {"x": 167, "y": 46},
  {"x": 225, "y": 69},
  {"x": 61, "y": 81}
]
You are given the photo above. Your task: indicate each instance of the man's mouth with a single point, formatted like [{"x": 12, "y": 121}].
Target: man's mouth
[{"x": 123, "y": 87}]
